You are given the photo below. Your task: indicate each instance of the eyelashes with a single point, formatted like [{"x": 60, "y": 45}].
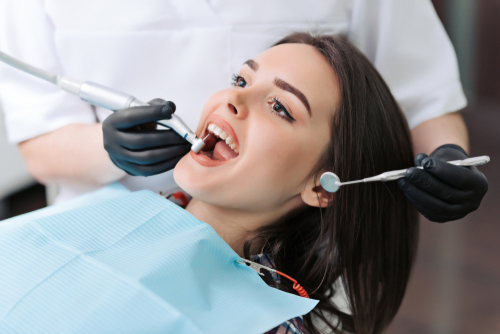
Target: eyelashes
[
  {"x": 238, "y": 80},
  {"x": 279, "y": 109},
  {"x": 235, "y": 78},
  {"x": 275, "y": 105}
]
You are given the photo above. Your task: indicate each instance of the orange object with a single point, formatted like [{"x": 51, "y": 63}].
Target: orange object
[
  {"x": 302, "y": 292},
  {"x": 182, "y": 197},
  {"x": 257, "y": 267}
]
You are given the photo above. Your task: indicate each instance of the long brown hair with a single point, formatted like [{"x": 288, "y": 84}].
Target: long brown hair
[{"x": 367, "y": 237}]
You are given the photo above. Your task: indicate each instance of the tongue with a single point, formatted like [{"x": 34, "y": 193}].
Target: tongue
[{"x": 223, "y": 152}]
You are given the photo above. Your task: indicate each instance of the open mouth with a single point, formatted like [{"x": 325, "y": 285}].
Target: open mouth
[{"x": 220, "y": 145}]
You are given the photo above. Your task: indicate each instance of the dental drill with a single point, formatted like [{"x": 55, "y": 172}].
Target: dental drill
[
  {"x": 331, "y": 182},
  {"x": 104, "y": 97}
]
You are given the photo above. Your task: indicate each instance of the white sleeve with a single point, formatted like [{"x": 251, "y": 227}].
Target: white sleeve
[
  {"x": 408, "y": 45},
  {"x": 32, "y": 106}
]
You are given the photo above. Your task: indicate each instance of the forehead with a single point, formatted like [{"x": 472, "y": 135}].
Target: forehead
[{"x": 305, "y": 68}]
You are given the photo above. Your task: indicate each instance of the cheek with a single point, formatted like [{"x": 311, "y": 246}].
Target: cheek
[{"x": 280, "y": 159}]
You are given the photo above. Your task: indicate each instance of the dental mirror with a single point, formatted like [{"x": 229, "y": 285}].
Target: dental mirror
[{"x": 330, "y": 182}]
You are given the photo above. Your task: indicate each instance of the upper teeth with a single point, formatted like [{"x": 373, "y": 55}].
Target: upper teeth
[{"x": 212, "y": 128}]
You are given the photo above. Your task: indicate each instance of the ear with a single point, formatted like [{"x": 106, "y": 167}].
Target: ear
[{"x": 314, "y": 191}]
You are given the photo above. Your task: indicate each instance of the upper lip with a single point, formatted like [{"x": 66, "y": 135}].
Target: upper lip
[{"x": 221, "y": 123}]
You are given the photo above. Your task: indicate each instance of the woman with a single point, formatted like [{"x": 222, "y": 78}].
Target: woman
[{"x": 305, "y": 106}]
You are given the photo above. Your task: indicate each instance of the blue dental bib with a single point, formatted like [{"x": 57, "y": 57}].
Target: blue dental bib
[{"x": 121, "y": 262}]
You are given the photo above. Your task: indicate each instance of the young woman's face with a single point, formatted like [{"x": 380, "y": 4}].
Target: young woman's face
[{"x": 277, "y": 115}]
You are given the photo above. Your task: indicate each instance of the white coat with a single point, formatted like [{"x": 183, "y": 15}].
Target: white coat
[{"x": 185, "y": 50}]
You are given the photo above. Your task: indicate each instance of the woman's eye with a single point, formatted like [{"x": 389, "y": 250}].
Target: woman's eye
[
  {"x": 239, "y": 81},
  {"x": 280, "y": 110}
]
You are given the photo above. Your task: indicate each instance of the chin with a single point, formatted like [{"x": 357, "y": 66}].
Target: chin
[
  {"x": 185, "y": 174},
  {"x": 194, "y": 179},
  {"x": 212, "y": 185}
]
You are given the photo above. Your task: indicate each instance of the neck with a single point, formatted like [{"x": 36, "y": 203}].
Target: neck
[{"x": 233, "y": 225}]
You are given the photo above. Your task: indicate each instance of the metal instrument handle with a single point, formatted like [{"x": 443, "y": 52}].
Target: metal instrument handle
[
  {"x": 397, "y": 174},
  {"x": 394, "y": 175},
  {"x": 475, "y": 161},
  {"x": 104, "y": 97}
]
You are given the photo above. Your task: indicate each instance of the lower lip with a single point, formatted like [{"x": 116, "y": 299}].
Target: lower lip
[{"x": 205, "y": 161}]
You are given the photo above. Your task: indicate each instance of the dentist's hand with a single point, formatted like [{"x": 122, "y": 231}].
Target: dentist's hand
[
  {"x": 443, "y": 192},
  {"x": 136, "y": 146}
]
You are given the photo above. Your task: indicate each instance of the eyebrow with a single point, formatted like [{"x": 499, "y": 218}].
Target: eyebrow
[
  {"x": 283, "y": 85},
  {"x": 252, "y": 64},
  {"x": 289, "y": 88}
]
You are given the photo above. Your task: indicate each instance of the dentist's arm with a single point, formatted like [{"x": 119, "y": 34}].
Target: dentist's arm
[
  {"x": 443, "y": 192},
  {"x": 447, "y": 129},
  {"x": 83, "y": 155},
  {"x": 72, "y": 155}
]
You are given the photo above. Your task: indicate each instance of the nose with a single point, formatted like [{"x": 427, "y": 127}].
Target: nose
[{"x": 237, "y": 102}]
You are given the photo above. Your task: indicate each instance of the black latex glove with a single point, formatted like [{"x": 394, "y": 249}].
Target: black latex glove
[
  {"x": 136, "y": 146},
  {"x": 443, "y": 192}
]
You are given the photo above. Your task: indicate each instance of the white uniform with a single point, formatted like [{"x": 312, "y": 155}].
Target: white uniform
[{"x": 185, "y": 50}]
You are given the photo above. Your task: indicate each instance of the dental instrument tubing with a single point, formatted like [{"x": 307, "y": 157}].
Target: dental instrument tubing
[{"x": 104, "y": 97}]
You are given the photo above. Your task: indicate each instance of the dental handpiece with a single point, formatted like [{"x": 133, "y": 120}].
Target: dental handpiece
[
  {"x": 104, "y": 97},
  {"x": 331, "y": 182}
]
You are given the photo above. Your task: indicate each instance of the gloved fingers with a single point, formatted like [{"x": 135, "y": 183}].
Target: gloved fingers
[
  {"x": 147, "y": 170},
  {"x": 418, "y": 159},
  {"x": 431, "y": 207},
  {"x": 141, "y": 140},
  {"x": 436, "y": 187},
  {"x": 150, "y": 157},
  {"x": 457, "y": 176},
  {"x": 147, "y": 126},
  {"x": 157, "y": 102},
  {"x": 445, "y": 218},
  {"x": 449, "y": 152},
  {"x": 130, "y": 117}
]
